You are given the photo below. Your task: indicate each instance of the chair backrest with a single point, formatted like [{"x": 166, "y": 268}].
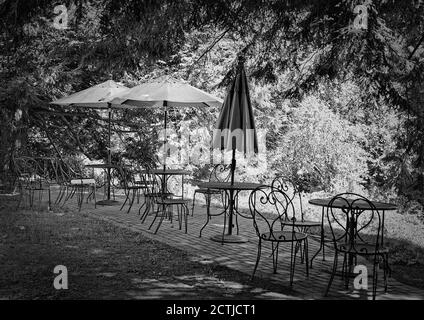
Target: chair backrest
[
  {"x": 354, "y": 221},
  {"x": 220, "y": 173},
  {"x": 269, "y": 207},
  {"x": 292, "y": 191}
]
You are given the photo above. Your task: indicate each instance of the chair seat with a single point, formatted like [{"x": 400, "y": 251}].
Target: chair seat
[
  {"x": 173, "y": 201},
  {"x": 208, "y": 191},
  {"x": 304, "y": 223},
  {"x": 140, "y": 186},
  {"x": 159, "y": 194},
  {"x": 361, "y": 248},
  {"x": 283, "y": 236}
]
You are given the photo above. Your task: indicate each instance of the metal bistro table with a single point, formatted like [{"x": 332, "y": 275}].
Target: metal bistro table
[
  {"x": 339, "y": 204},
  {"x": 230, "y": 206},
  {"x": 108, "y": 167}
]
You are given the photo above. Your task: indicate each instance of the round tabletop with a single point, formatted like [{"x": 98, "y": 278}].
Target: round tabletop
[
  {"x": 359, "y": 204},
  {"x": 229, "y": 186},
  {"x": 104, "y": 166},
  {"x": 174, "y": 172}
]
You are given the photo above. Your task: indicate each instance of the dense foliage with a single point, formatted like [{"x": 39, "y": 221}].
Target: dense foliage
[{"x": 342, "y": 106}]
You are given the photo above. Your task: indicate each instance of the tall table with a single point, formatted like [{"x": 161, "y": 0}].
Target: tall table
[
  {"x": 108, "y": 167},
  {"x": 231, "y": 191},
  {"x": 339, "y": 204}
]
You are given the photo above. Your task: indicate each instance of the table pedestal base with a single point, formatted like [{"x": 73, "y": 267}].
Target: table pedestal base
[
  {"x": 107, "y": 202},
  {"x": 229, "y": 238}
]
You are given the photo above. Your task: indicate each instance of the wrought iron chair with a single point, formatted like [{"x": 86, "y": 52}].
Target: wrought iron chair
[
  {"x": 35, "y": 176},
  {"x": 295, "y": 196},
  {"x": 271, "y": 208},
  {"x": 219, "y": 173},
  {"x": 134, "y": 182},
  {"x": 356, "y": 227},
  {"x": 152, "y": 193},
  {"x": 77, "y": 183},
  {"x": 165, "y": 202},
  {"x": 165, "y": 209}
]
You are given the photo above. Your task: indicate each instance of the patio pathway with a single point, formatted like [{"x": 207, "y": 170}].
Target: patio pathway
[{"x": 242, "y": 256}]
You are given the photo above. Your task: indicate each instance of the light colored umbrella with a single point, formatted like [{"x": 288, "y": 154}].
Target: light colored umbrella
[
  {"x": 166, "y": 93},
  {"x": 99, "y": 96}
]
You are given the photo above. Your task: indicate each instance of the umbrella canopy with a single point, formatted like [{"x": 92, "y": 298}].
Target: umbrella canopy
[
  {"x": 167, "y": 92},
  {"x": 98, "y": 96},
  {"x": 236, "y": 121}
]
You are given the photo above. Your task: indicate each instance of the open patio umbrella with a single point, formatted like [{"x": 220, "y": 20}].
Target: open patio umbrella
[
  {"x": 167, "y": 93},
  {"x": 236, "y": 121},
  {"x": 99, "y": 96}
]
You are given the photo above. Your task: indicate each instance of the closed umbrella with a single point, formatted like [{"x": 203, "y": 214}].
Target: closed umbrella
[
  {"x": 167, "y": 93},
  {"x": 98, "y": 97},
  {"x": 236, "y": 122},
  {"x": 235, "y": 128}
]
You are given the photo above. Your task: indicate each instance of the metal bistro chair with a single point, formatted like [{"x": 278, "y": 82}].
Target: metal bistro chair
[
  {"x": 274, "y": 227},
  {"x": 34, "y": 178},
  {"x": 78, "y": 182},
  {"x": 166, "y": 203},
  {"x": 219, "y": 173},
  {"x": 356, "y": 232},
  {"x": 152, "y": 193},
  {"x": 295, "y": 196},
  {"x": 133, "y": 183}
]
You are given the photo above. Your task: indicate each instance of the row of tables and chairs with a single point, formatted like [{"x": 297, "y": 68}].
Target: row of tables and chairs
[{"x": 354, "y": 225}]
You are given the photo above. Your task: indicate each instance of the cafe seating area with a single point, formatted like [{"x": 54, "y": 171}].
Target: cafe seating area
[{"x": 271, "y": 238}]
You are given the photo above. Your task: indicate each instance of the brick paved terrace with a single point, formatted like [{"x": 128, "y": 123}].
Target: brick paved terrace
[{"x": 242, "y": 256}]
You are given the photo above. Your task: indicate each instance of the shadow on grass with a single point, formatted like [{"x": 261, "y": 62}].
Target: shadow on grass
[{"x": 108, "y": 262}]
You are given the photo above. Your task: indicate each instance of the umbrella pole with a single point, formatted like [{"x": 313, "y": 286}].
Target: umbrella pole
[
  {"x": 230, "y": 218},
  {"x": 109, "y": 158},
  {"x": 165, "y": 137},
  {"x": 164, "y": 177}
]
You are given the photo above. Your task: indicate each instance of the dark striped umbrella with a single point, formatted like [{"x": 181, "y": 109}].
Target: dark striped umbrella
[{"x": 235, "y": 128}]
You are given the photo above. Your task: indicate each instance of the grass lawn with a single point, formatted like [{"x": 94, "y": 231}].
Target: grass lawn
[{"x": 106, "y": 262}]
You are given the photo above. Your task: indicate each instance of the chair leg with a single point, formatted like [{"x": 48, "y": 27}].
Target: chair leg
[
  {"x": 208, "y": 211},
  {"x": 50, "y": 198},
  {"x": 149, "y": 205},
  {"x": 186, "y": 214},
  {"x": 385, "y": 270},
  {"x": 127, "y": 195},
  {"x": 258, "y": 257},
  {"x": 161, "y": 219},
  {"x": 306, "y": 255},
  {"x": 293, "y": 260},
  {"x": 374, "y": 279},
  {"x": 333, "y": 272},
  {"x": 132, "y": 201},
  {"x": 94, "y": 195},
  {"x": 154, "y": 219},
  {"x": 194, "y": 200},
  {"x": 275, "y": 256},
  {"x": 144, "y": 204}
]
